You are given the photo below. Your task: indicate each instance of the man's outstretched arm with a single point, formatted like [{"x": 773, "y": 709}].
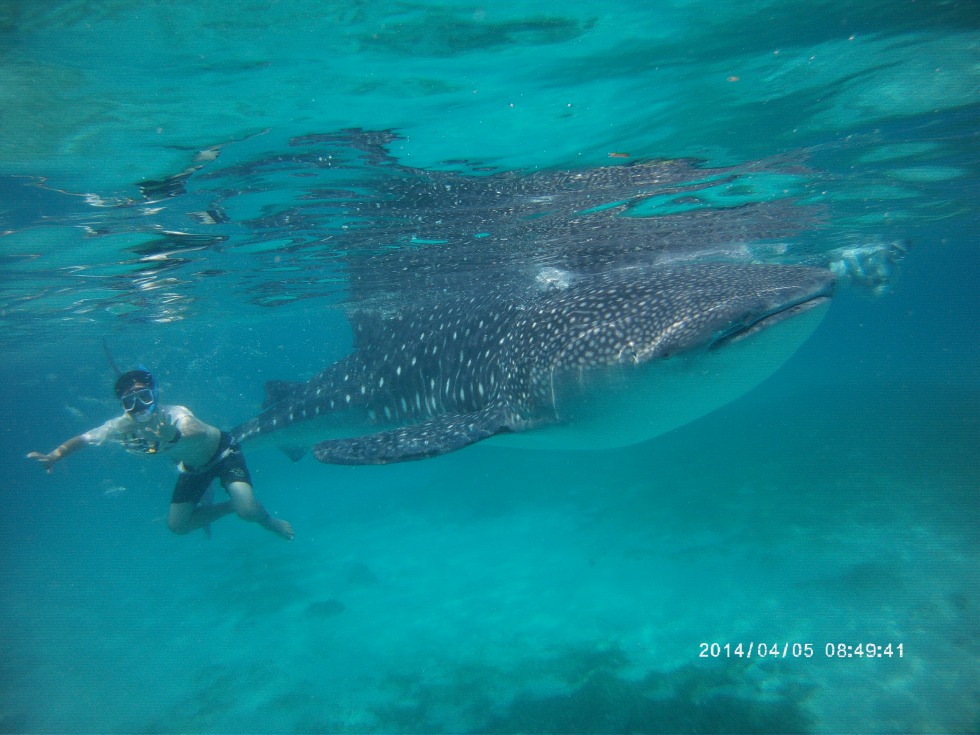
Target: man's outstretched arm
[{"x": 69, "y": 447}]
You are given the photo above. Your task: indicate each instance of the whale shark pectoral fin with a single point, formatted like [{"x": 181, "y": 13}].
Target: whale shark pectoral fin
[{"x": 440, "y": 435}]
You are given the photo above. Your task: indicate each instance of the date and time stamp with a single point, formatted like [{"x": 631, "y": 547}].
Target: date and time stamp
[{"x": 754, "y": 649}]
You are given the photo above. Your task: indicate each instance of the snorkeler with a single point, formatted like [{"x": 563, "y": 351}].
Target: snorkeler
[{"x": 201, "y": 452}]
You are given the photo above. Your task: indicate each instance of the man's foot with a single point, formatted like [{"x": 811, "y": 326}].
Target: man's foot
[{"x": 277, "y": 525}]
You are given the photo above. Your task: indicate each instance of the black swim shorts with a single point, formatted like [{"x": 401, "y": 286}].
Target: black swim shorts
[{"x": 227, "y": 464}]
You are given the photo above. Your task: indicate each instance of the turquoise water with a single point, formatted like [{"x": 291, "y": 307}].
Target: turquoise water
[{"x": 490, "y": 590}]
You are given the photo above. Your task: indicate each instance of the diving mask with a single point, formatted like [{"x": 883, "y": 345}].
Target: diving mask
[{"x": 139, "y": 403}]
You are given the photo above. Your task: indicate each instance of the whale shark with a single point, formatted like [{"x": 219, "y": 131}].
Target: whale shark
[
  {"x": 552, "y": 358},
  {"x": 585, "y": 307}
]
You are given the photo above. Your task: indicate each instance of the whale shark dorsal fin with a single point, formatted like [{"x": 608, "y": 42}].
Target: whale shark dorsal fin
[
  {"x": 367, "y": 326},
  {"x": 295, "y": 453},
  {"x": 277, "y": 390},
  {"x": 440, "y": 435}
]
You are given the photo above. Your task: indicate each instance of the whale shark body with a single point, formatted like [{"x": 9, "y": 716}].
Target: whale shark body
[
  {"x": 571, "y": 359},
  {"x": 556, "y": 308}
]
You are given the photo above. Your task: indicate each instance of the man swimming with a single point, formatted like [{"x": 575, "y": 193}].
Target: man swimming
[{"x": 201, "y": 452}]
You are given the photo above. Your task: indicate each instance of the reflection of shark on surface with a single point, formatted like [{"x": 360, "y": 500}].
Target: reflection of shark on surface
[{"x": 570, "y": 360}]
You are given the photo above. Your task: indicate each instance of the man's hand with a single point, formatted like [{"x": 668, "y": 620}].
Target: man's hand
[
  {"x": 69, "y": 447},
  {"x": 47, "y": 460}
]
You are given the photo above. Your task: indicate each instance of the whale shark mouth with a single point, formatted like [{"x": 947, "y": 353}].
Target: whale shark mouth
[{"x": 785, "y": 312}]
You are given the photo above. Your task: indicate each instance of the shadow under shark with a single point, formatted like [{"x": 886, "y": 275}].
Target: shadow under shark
[{"x": 553, "y": 358}]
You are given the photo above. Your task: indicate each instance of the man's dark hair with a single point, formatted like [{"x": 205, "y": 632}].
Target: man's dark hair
[{"x": 128, "y": 380}]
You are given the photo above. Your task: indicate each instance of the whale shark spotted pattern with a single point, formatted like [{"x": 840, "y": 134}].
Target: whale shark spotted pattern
[
  {"x": 438, "y": 376},
  {"x": 595, "y": 307}
]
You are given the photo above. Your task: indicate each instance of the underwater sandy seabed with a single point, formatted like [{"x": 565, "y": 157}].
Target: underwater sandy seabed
[{"x": 504, "y": 591}]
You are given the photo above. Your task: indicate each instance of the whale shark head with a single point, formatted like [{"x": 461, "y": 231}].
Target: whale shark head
[
  {"x": 641, "y": 313},
  {"x": 630, "y": 354}
]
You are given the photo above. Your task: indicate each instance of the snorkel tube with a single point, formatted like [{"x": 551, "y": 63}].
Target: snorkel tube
[{"x": 108, "y": 356}]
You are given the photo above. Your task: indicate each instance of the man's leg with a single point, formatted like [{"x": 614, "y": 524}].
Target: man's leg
[
  {"x": 248, "y": 508},
  {"x": 186, "y": 517}
]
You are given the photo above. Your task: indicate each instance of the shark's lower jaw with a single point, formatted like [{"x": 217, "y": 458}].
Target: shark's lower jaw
[{"x": 767, "y": 321}]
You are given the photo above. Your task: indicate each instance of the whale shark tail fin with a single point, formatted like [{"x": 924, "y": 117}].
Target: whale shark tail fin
[{"x": 206, "y": 501}]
